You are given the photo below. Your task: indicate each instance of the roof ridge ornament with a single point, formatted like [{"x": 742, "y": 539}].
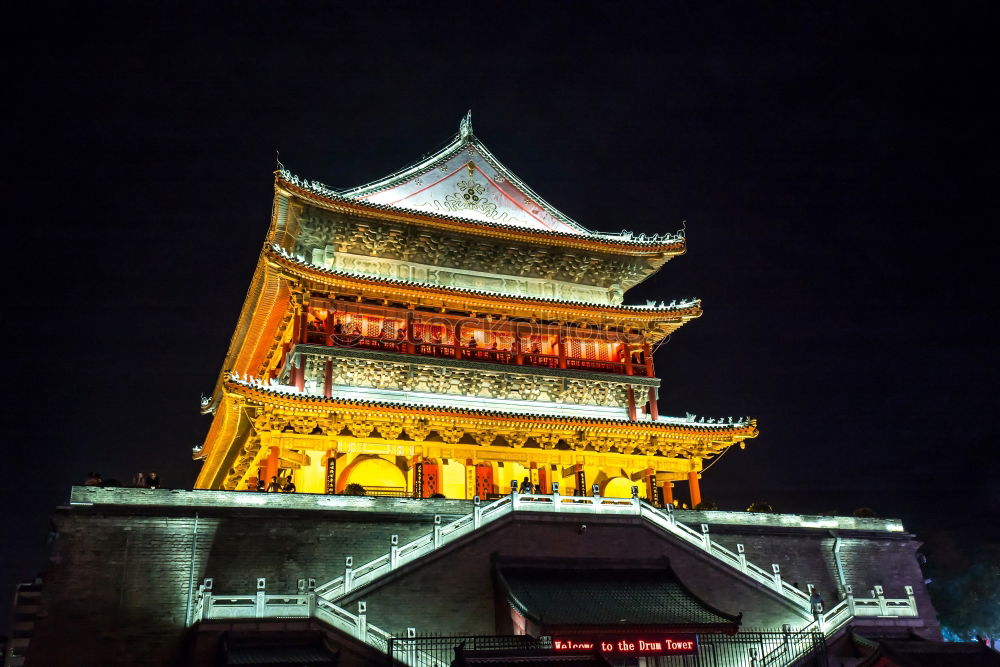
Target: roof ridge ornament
[{"x": 465, "y": 126}]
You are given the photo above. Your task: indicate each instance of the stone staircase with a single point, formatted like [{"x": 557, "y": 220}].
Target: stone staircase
[
  {"x": 321, "y": 601},
  {"x": 665, "y": 520}
]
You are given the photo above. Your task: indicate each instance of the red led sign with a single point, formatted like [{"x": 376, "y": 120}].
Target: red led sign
[{"x": 640, "y": 645}]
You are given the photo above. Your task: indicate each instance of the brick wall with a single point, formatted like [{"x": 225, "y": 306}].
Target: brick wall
[
  {"x": 867, "y": 558},
  {"x": 117, "y": 586},
  {"x": 115, "y": 593}
]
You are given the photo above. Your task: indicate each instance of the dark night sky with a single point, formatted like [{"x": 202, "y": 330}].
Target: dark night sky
[{"x": 835, "y": 164}]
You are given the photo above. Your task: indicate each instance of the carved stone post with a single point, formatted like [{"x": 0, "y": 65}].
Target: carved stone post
[
  {"x": 361, "y": 628},
  {"x": 259, "y": 600},
  {"x": 880, "y": 596},
  {"x": 393, "y": 552},
  {"x": 911, "y": 599},
  {"x": 206, "y": 594},
  {"x": 668, "y": 509},
  {"x": 348, "y": 574}
]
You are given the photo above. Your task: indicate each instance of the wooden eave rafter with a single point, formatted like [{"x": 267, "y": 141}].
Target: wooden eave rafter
[
  {"x": 658, "y": 322},
  {"x": 219, "y": 441},
  {"x": 667, "y": 250},
  {"x": 266, "y": 304},
  {"x": 725, "y": 433}
]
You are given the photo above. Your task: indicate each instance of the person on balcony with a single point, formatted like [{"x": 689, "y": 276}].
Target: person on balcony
[
  {"x": 274, "y": 486},
  {"x": 472, "y": 342},
  {"x": 289, "y": 486}
]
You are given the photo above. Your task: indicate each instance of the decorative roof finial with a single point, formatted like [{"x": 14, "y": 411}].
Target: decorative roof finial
[{"x": 465, "y": 127}]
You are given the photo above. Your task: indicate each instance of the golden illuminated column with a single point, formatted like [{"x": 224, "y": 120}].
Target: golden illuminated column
[
  {"x": 328, "y": 378},
  {"x": 647, "y": 356},
  {"x": 410, "y": 345},
  {"x": 694, "y": 489},
  {"x": 271, "y": 466}
]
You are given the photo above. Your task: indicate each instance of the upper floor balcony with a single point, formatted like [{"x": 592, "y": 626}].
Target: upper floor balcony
[{"x": 520, "y": 343}]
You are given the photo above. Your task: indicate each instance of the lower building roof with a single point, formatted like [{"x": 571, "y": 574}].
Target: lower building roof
[
  {"x": 291, "y": 650},
  {"x": 588, "y": 595},
  {"x": 738, "y": 429}
]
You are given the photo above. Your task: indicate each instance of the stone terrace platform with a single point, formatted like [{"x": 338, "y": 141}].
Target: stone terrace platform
[
  {"x": 139, "y": 557},
  {"x": 164, "y": 499}
]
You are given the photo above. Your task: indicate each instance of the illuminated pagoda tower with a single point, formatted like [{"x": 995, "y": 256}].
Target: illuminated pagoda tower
[{"x": 444, "y": 330}]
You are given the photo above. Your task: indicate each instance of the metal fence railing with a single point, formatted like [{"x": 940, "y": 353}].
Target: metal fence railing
[{"x": 744, "y": 649}]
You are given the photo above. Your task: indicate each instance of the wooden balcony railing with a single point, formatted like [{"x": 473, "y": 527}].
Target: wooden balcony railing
[
  {"x": 595, "y": 365},
  {"x": 435, "y": 350},
  {"x": 489, "y": 355}
]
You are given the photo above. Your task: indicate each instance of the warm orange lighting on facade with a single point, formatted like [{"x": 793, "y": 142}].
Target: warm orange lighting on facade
[{"x": 418, "y": 353}]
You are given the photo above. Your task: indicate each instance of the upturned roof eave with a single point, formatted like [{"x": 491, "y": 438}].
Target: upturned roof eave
[
  {"x": 464, "y": 137},
  {"x": 690, "y": 311},
  {"x": 744, "y": 430},
  {"x": 331, "y": 200},
  {"x": 421, "y": 166}
]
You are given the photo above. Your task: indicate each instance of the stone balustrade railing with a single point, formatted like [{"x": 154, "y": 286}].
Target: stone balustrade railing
[
  {"x": 300, "y": 605},
  {"x": 320, "y": 601},
  {"x": 665, "y": 519}
]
